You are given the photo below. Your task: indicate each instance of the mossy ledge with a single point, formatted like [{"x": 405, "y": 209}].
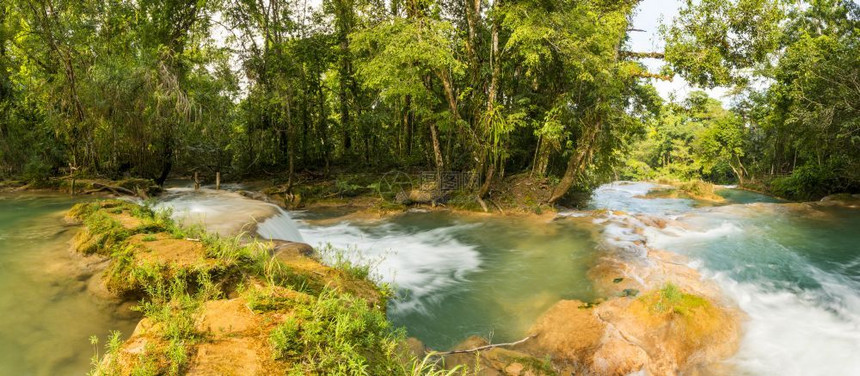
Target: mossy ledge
[
  {"x": 692, "y": 189},
  {"x": 222, "y": 306}
]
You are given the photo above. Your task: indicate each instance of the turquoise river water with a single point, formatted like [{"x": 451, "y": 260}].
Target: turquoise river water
[{"x": 794, "y": 269}]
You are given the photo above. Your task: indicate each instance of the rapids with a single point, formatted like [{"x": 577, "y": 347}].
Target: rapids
[
  {"x": 459, "y": 275},
  {"x": 792, "y": 268},
  {"x": 228, "y": 213}
]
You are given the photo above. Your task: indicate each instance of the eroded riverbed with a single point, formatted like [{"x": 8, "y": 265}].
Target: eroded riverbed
[{"x": 793, "y": 269}]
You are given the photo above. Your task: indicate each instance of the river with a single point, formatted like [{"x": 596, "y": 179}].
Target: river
[
  {"x": 46, "y": 314},
  {"x": 793, "y": 269}
]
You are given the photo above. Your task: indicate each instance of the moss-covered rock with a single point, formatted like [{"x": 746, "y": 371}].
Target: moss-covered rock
[
  {"x": 666, "y": 331},
  {"x": 216, "y": 306},
  {"x": 106, "y": 224}
]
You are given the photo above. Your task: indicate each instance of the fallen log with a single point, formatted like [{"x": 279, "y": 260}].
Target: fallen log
[{"x": 98, "y": 187}]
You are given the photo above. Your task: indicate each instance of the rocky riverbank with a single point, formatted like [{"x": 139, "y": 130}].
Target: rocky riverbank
[
  {"x": 657, "y": 316},
  {"x": 215, "y": 305},
  {"x": 656, "y": 313}
]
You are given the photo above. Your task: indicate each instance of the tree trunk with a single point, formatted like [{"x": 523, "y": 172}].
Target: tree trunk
[
  {"x": 576, "y": 163},
  {"x": 407, "y": 120},
  {"x": 166, "y": 158},
  {"x": 491, "y": 102},
  {"x": 437, "y": 153},
  {"x": 343, "y": 25},
  {"x": 291, "y": 144}
]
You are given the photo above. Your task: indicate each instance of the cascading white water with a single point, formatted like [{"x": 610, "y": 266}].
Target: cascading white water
[
  {"x": 787, "y": 266},
  {"x": 793, "y": 269},
  {"x": 229, "y": 213},
  {"x": 280, "y": 226},
  {"x": 626, "y": 196},
  {"x": 425, "y": 264},
  {"x": 460, "y": 275}
]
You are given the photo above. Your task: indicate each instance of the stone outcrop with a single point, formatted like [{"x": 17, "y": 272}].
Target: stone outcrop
[
  {"x": 663, "y": 332},
  {"x": 232, "y": 340},
  {"x": 212, "y": 305},
  {"x": 658, "y": 315},
  {"x": 418, "y": 196},
  {"x": 842, "y": 199}
]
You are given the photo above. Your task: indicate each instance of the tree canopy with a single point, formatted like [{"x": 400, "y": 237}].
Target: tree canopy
[{"x": 155, "y": 88}]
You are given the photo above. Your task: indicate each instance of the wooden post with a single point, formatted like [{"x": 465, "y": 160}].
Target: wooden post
[
  {"x": 196, "y": 181},
  {"x": 72, "y": 171},
  {"x": 218, "y": 180}
]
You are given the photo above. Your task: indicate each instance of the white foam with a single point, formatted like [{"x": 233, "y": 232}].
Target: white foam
[
  {"x": 793, "y": 333},
  {"x": 228, "y": 213},
  {"x": 791, "y": 330},
  {"x": 280, "y": 226},
  {"x": 624, "y": 196},
  {"x": 425, "y": 264},
  {"x": 675, "y": 235}
]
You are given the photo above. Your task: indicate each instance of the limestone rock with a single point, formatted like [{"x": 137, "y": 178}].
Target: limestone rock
[
  {"x": 417, "y": 196},
  {"x": 288, "y": 250},
  {"x": 662, "y": 332}
]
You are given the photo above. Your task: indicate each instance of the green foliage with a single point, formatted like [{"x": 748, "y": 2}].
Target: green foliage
[
  {"x": 149, "y": 89},
  {"x": 146, "y": 88},
  {"x": 711, "y": 42},
  {"x": 697, "y": 188},
  {"x": 328, "y": 331},
  {"x": 338, "y": 334},
  {"x": 809, "y": 182},
  {"x": 340, "y": 259},
  {"x": 692, "y": 140},
  {"x": 804, "y": 122},
  {"x": 267, "y": 298},
  {"x": 671, "y": 299},
  {"x": 109, "y": 367},
  {"x": 172, "y": 306}
]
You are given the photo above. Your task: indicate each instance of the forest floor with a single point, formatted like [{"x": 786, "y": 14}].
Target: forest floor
[
  {"x": 394, "y": 192},
  {"x": 380, "y": 193}
]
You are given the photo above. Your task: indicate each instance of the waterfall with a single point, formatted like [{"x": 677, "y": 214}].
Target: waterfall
[
  {"x": 229, "y": 213},
  {"x": 280, "y": 226}
]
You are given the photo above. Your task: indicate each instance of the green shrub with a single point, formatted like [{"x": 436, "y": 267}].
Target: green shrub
[
  {"x": 811, "y": 182},
  {"x": 671, "y": 299},
  {"x": 338, "y": 334},
  {"x": 697, "y": 188},
  {"x": 37, "y": 170}
]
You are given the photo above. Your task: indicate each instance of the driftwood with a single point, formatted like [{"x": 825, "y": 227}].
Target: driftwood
[
  {"x": 482, "y": 348},
  {"x": 497, "y": 206},
  {"x": 98, "y": 187}
]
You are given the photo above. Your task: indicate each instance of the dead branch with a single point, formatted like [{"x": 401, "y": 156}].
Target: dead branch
[
  {"x": 644, "y": 74},
  {"x": 497, "y": 206},
  {"x": 98, "y": 187},
  {"x": 642, "y": 55},
  {"x": 485, "y": 347}
]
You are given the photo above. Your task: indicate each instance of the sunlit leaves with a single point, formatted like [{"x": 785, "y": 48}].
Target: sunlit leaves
[{"x": 717, "y": 42}]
